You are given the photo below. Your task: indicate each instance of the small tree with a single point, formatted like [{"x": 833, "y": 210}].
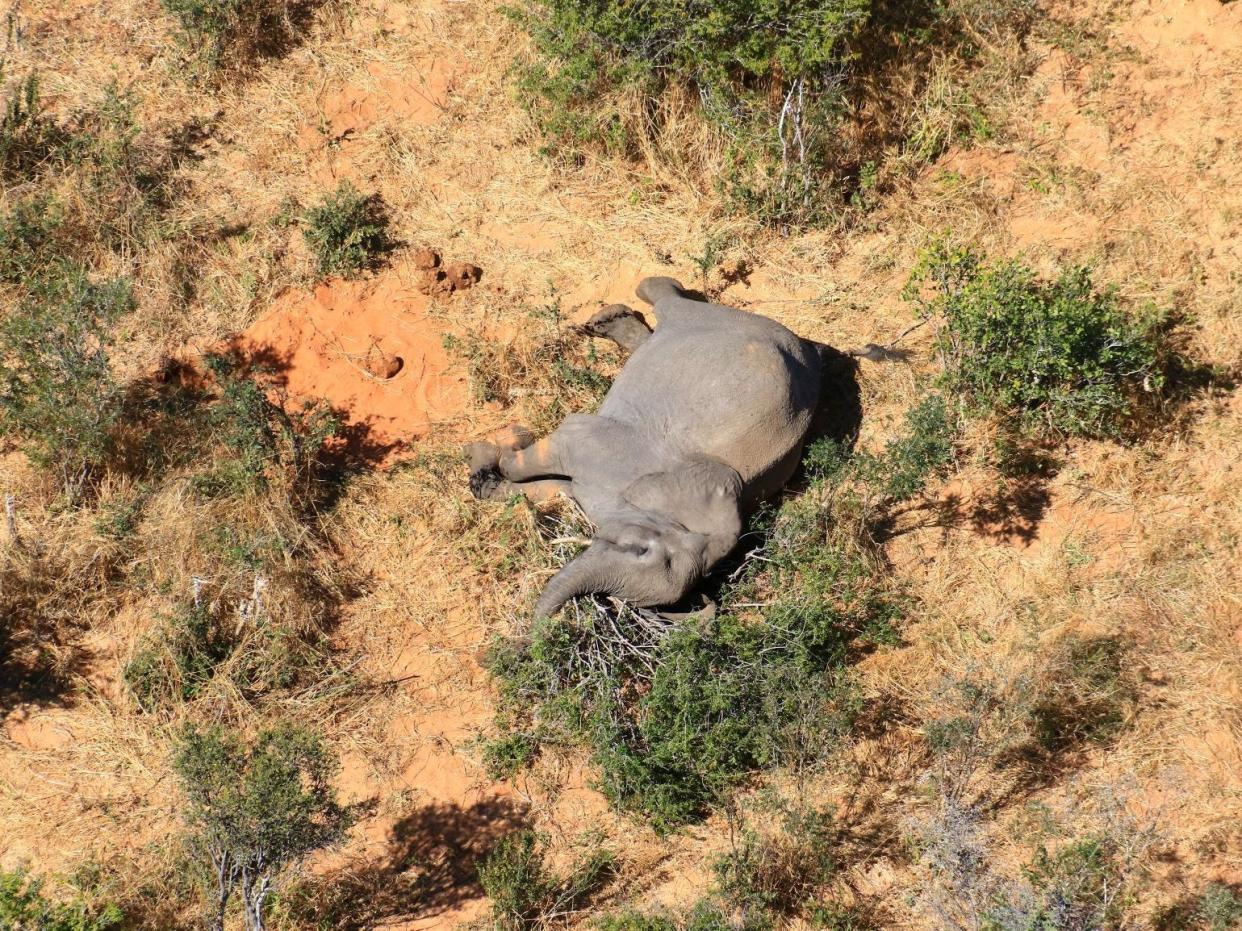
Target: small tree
[{"x": 257, "y": 808}]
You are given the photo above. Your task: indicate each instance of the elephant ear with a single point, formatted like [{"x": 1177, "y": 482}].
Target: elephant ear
[{"x": 703, "y": 496}]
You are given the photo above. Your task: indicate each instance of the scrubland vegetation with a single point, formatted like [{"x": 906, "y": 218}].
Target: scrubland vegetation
[{"x": 977, "y": 667}]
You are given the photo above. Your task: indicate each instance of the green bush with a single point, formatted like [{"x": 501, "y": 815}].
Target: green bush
[
  {"x": 922, "y": 452},
  {"x": 175, "y": 664},
  {"x": 764, "y": 71},
  {"x": 265, "y": 441},
  {"x": 256, "y": 807},
  {"x": 347, "y": 232},
  {"x": 57, "y": 390},
  {"x": 24, "y": 907},
  {"x": 525, "y": 894},
  {"x": 1054, "y": 357}
]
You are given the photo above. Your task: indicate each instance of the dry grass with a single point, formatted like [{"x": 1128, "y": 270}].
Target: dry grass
[{"x": 1118, "y": 155}]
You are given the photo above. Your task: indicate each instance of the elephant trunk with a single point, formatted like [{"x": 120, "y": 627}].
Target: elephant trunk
[{"x": 584, "y": 575}]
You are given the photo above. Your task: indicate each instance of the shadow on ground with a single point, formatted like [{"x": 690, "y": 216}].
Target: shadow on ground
[{"x": 429, "y": 870}]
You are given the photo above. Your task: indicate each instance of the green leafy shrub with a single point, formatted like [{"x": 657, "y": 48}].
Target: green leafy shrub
[
  {"x": 57, "y": 390},
  {"x": 922, "y": 452},
  {"x": 1054, "y": 357},
  {"x": 178, "y": 661},
  {"x": 767, "y": 74},
  {"x": 347, "y": 232},
  {"x": 266, "y": 442},
  {"x": 525, "y": 893},
  {"x": 256, "y": 807},
  {"x": 24, "y": 907}
]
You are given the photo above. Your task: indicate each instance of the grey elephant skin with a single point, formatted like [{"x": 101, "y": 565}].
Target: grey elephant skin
[{"x": 707, "y": 417}]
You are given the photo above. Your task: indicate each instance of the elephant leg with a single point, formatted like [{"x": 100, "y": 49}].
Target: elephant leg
[
  {"x": 655, "y": 288},
  {"x": 539, "y": 460},
  {"x": 484, "y": 457},
  {"x": 624, "y": 326},
  {"x": 538, "y": 491}
]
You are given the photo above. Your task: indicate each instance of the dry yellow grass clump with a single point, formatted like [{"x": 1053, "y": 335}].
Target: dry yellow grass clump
[{"x": 359, "y": 591}]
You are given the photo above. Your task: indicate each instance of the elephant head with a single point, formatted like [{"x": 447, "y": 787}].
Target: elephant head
[{"x": 674, "y": 526}]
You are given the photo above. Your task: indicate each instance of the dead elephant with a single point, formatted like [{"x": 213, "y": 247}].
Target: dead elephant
[{"x": 707, "y": 417}]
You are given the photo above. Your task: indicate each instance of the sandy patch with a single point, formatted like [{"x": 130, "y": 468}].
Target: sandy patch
[{"x": 368, "y": 349}]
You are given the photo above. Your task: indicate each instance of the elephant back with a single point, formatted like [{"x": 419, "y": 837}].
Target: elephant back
[{"x": 719, "y": 382}]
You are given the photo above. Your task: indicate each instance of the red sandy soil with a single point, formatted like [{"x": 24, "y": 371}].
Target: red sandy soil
[{"x": 341, "y": 342}]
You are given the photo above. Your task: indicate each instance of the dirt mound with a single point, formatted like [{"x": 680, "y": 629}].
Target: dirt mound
[{"x": 366, "y": 348}]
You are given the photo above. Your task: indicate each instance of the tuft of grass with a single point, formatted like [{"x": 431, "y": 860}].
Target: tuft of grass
[
  {"x": 347, "y": 232},
  {"x": 178, "y": 661},
  {"x": 1058, "y": 357},
  {"x": 233, "y": 34},
  {"x": 548, "y": 376},
  {"x": 526, "y": 894}
]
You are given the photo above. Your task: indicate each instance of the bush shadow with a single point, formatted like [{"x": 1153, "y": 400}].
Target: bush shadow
[{"x": 429, "y": 869}]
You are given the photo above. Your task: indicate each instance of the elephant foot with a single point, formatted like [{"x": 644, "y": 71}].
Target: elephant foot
[
  {"x": 621, "y": 324},
  {"x": 484, "y": 482}
]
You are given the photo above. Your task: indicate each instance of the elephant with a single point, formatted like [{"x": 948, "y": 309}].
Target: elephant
[{"x": 707, "y": 417}]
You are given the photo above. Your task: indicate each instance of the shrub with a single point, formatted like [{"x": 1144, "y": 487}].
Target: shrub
[
  {"x": 780, "y": 871},
  {"x": 347, "y": 232},
  {"x": 1054, "y": 357},
  {"x": 266, "y": 442},
  {"x": 1219, "y": 908},
  {"x": 178, "y": 661},
  {"x": 255, "y": 808},
  {"x": 525, "y": 894},
  {"x": 24, "y": 907},
  {"x": 28, "y": 238},
  {"x": 231, "y": 33},
  {"x": 28, "y": 139},
  {"x": 57, "y": 390},
  {"x": 768, "y": 74},
  {"x": 923, "y": 452},
  {"x": 1079, "y": 886},
  {"x": 506, "y": 755}
]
